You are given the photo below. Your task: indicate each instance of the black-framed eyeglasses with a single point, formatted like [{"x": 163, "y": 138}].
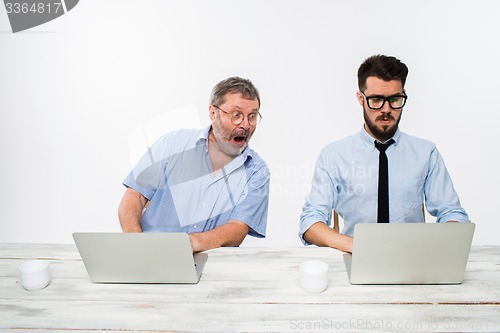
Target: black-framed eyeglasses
[
  {"x": 377, "y": 102},
  {"x": 237, "y": 117}
]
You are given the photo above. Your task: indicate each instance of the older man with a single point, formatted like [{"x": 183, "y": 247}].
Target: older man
[{"x": 207, "y": 183}]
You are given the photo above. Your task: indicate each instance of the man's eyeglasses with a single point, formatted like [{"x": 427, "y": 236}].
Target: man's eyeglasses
[
  {"x": 377, "y": 102},
  {"x": 237, "y": 118}
]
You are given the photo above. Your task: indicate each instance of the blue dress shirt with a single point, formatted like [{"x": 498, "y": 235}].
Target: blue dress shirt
[
  {"x": 184, "y": 193},
  {"x": 346, "y": 180}
]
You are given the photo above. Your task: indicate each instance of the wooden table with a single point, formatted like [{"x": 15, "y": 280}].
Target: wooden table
[{"x": 241, "y": 290}]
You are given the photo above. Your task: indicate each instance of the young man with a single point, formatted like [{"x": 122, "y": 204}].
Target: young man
[
  {"x": 207, "y": 183},
  {"x": 379, "y": 174}
]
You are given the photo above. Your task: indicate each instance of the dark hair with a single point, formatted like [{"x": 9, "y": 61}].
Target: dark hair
[
  {"x": 386, "y": 68},
  {"x": 233, "y": 84}
]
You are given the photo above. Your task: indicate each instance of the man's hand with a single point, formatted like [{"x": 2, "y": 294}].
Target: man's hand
[
  {"x": 320, "y": 234},
  {"x": 231, "y": 234}
]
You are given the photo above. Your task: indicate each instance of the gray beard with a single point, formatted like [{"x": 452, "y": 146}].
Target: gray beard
[
  {"x": 227, "y": 149},
  {"x": 222, "y": 142}
]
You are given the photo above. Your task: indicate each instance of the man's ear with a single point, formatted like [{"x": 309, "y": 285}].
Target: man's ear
[
  {"x": 211, "y": 112},
  {"x": 360, "y": 98}
]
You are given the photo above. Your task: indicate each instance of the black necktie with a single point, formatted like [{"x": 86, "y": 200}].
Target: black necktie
[{"x": 383, "y": 182}]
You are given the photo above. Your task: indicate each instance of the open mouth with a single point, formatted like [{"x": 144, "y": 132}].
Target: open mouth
[{"x": 239, "y": 139}]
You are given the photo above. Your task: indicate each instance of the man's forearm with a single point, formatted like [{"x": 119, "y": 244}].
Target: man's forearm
[
  {"x": 130, "y": 211},
  {"x": 320, "y": 234},
  {"x": 231, "y": 234}
]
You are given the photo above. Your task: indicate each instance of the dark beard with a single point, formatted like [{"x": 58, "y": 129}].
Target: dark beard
[{"x": 382, "y": 134}]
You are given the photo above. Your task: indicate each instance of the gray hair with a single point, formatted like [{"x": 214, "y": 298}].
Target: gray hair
[{"x": 233, "y": 84}]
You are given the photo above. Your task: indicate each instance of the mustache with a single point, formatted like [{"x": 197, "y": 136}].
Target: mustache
[{"x": 239, "y": 132}]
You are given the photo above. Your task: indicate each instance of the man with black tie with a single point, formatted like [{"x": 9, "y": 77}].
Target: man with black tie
[{"x": 379, "y": 174}]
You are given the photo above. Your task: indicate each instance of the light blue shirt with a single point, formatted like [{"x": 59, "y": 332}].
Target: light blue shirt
[
  {"x": 185, "y": 194},
  {"x": 346, "y": 180}
]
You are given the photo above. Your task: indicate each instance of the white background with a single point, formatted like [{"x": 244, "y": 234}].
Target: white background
[{"x": 75, "y": 93}]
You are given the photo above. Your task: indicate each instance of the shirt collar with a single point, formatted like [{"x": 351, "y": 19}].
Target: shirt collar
[
  {"x": 203, "y": 141},
  {"x": 203, "y": 137},
  {"x": 368, "y": 140}
]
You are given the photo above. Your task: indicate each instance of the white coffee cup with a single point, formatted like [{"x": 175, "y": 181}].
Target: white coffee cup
[
  {"x": 35, "y": 274},
  {"x": 313, "y": 276}
]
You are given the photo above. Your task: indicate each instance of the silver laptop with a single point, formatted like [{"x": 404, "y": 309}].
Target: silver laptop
[
  {"x": 140, "y": 257},
  {"x": 409, "y": 253}
]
